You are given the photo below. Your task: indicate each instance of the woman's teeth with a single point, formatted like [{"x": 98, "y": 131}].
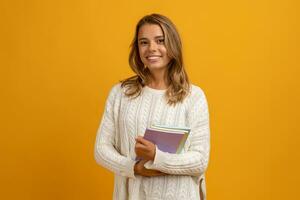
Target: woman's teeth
[{"x": 153, "y": 57}]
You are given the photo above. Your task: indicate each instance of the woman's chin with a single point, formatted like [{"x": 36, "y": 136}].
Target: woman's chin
[{"x": 157, "y": 66}]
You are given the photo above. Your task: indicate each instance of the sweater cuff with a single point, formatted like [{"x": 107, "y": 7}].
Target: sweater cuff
[
  {"x": 159, "y": 158},
  {"x": 129, "y": 169}
]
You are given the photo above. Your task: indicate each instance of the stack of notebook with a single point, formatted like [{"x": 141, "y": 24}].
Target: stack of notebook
[{"x": 167, "y": 139}]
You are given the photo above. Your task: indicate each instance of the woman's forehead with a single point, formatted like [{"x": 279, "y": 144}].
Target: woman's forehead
[{"x": 149, "y": 31}]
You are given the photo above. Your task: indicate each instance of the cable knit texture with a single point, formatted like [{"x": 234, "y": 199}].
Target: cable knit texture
[{"x": 125, "y": 118}]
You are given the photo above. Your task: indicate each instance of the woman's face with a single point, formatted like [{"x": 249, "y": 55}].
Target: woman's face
[{"x": 153, "y": 52}]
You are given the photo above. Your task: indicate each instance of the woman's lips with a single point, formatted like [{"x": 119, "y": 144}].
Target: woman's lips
[{"x": 153, "y": 58}]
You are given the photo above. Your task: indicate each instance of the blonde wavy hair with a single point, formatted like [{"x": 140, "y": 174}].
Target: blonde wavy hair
[{"x": 177, "y": 78}]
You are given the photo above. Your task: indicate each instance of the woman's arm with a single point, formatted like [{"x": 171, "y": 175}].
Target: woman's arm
[
  {"x": 195, "y": 161},
  {"x": 140, "y": 169},
  {"x": 105, "y": 153}
]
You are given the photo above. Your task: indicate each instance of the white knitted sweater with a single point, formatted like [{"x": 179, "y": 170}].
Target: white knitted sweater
[{"x": 125, "y": 118}]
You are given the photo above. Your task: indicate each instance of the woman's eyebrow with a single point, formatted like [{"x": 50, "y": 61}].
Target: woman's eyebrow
[{"x": 156, "y": 37}]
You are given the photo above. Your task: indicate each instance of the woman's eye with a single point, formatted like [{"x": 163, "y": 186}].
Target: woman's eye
[
  {"x": 143, "y": 42},
  {"x": 161, "y": 41}
]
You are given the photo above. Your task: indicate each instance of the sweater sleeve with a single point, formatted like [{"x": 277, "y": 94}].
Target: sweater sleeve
[
  {"x": 195, "y": 160},
  {"x": 105, "y": 152}
]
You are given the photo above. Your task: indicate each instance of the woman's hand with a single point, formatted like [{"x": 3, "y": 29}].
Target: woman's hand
[
  {"x": 144, "y": 149},
  {"x": 139, "y": 169}
]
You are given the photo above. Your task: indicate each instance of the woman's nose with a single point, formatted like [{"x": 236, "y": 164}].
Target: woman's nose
[{"x": 152, "y": 46}]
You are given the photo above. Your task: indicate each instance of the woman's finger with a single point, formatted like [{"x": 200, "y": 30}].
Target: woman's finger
[
  {"x": 143, "y": 141},
  {"x": 143, "y": 161},
  {"x": 140, "y": 146}
]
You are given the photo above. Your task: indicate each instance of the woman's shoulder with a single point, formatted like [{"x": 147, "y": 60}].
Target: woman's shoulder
[
  {"x": 116, "y": 87},
  {"x": 116, "y": 90},
  {"x": 196, "y": 90},
  {"x": 196, "y": 96}
]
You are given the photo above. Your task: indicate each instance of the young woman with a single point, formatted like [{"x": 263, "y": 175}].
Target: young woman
[{"x": 159, "y": 94}]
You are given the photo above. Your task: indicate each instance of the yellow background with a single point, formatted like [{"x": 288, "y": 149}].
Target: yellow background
[{"x": 59, "y": 59}]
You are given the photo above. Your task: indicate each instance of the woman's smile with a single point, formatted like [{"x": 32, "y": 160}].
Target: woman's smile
[{"x": 153, "y": 58}]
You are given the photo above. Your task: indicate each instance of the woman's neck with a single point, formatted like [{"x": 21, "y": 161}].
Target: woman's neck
[
  {"x": 158, "y": 85},
  {"x": 158, "y": 80}
]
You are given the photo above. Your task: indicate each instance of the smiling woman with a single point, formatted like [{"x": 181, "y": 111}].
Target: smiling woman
[
  {"x": 152, "y": 50},
  {"x": 156, "y": 35},
  {"x": 159, "y": 94}
]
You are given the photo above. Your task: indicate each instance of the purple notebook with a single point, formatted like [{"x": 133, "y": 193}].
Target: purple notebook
[{"x": 166, "y": 142}]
